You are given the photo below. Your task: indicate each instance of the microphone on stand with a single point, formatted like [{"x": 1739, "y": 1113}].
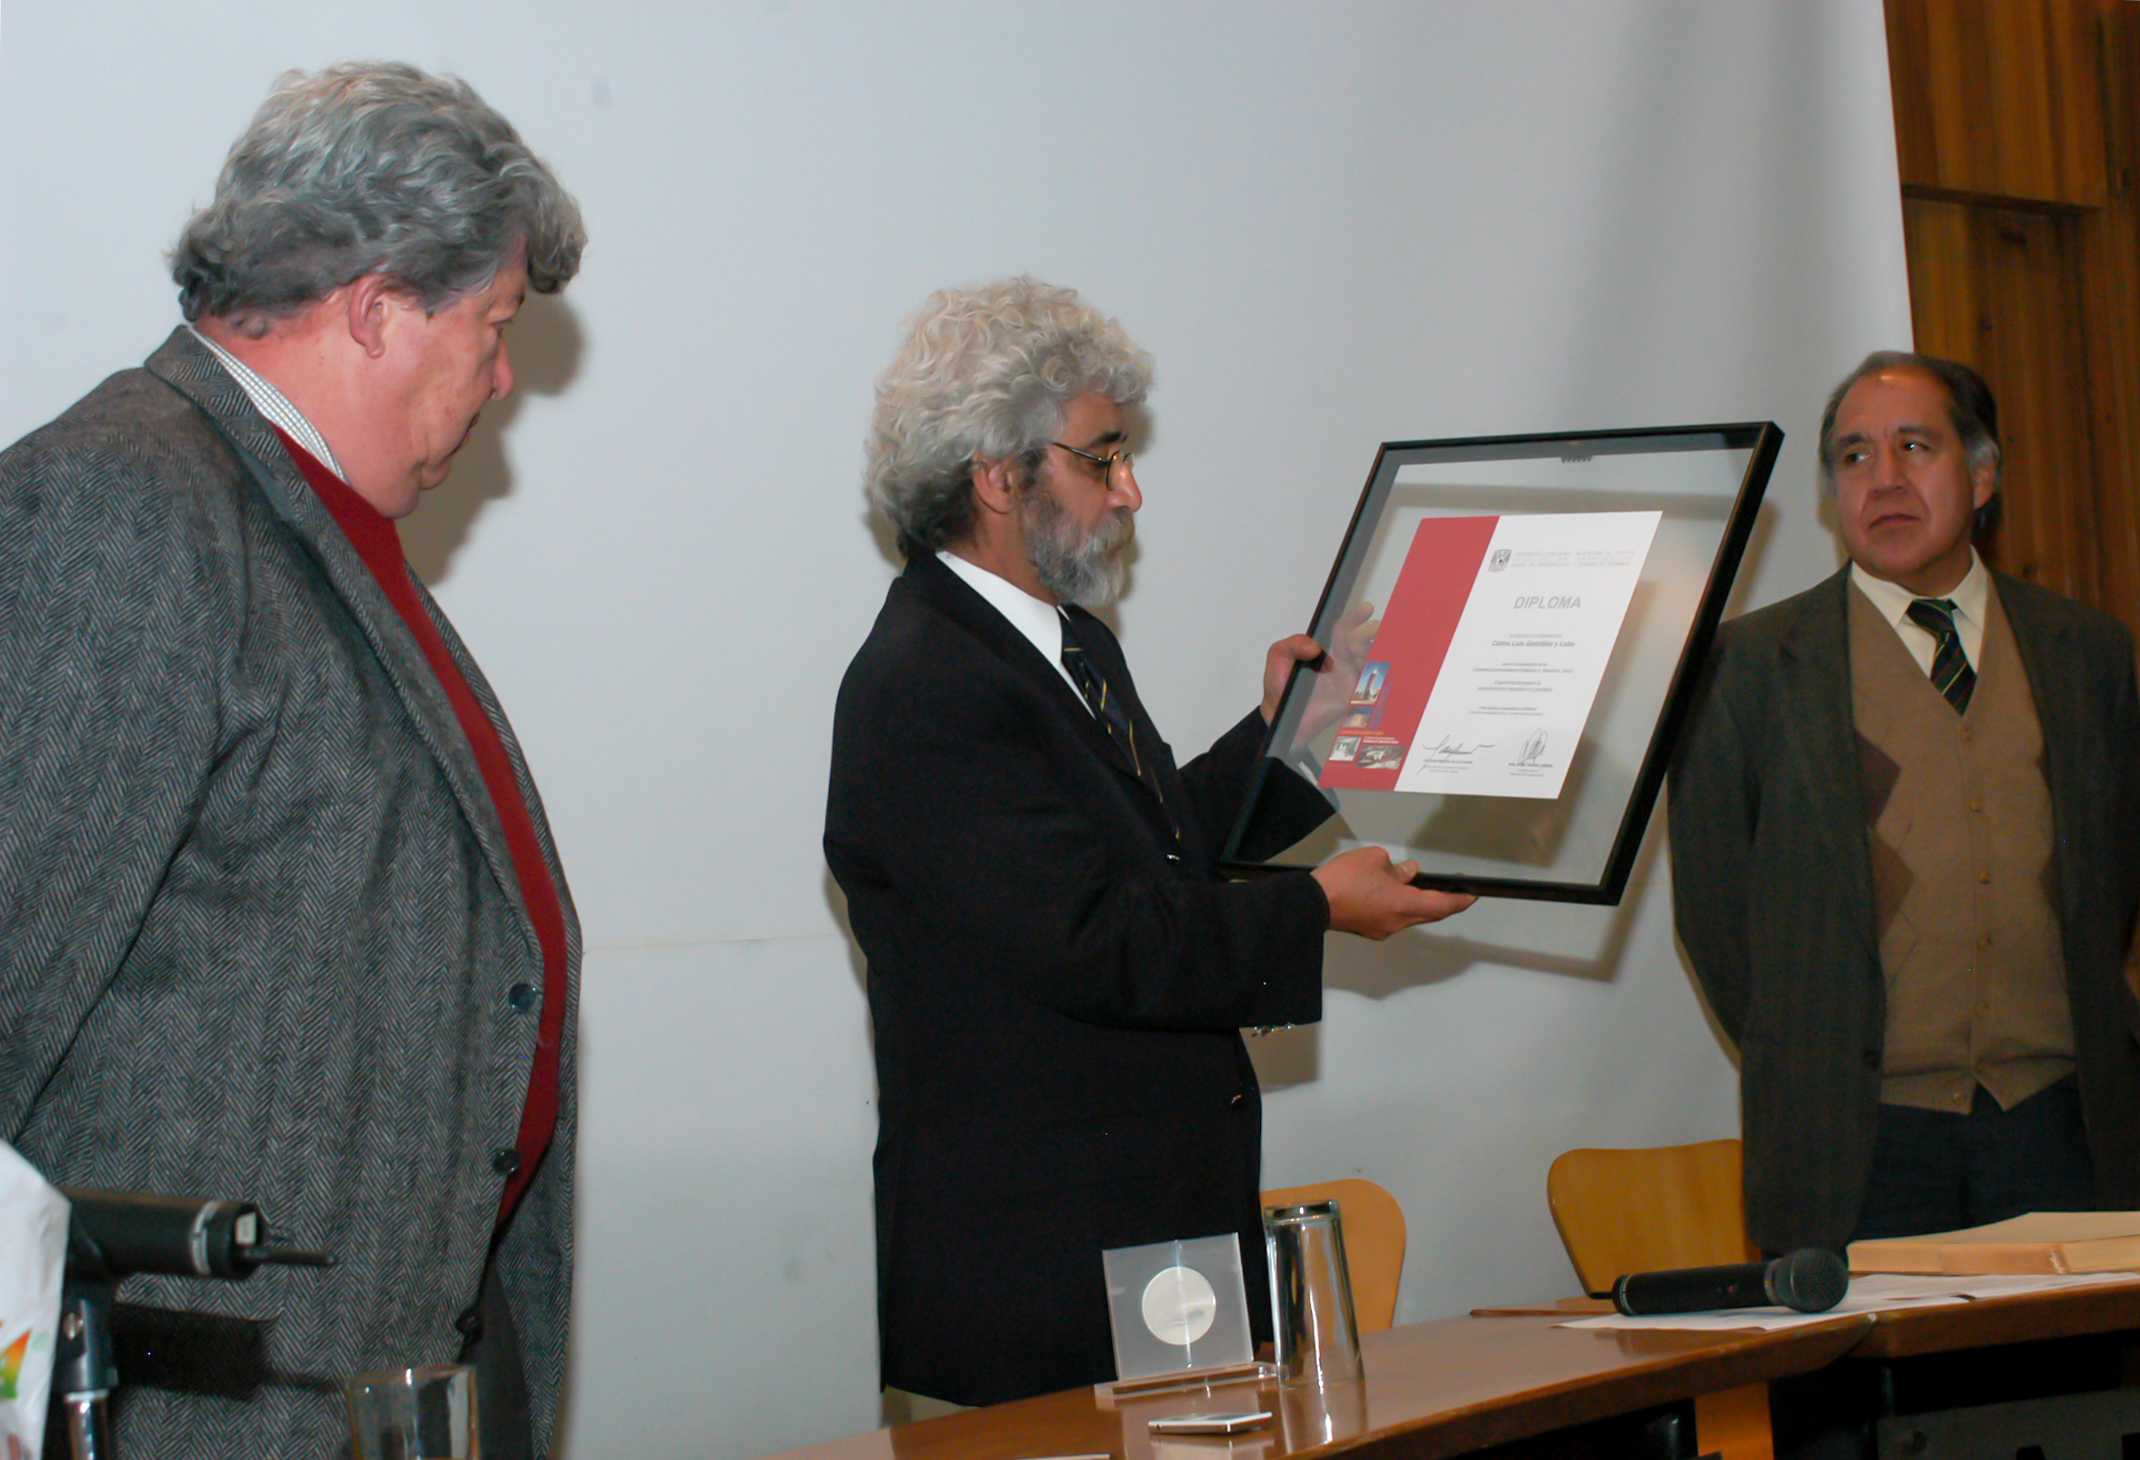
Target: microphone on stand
[
  {"x": 1810, "y": 1280},
  {"x": 114, "y": 1233}
]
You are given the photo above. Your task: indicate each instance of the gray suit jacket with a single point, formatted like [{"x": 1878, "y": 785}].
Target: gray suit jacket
[
  {"x": 1772, "y": 880},
  {"x": 258, "y": 921}
]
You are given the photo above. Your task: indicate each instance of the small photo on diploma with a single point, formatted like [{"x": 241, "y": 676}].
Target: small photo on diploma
[{"x": 1489, "y": 655}]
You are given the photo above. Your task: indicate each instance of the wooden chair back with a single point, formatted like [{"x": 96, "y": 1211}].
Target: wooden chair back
[
  {"x": 1622, "y": 1211},
  {"x": 1373, "y": 1224},
  {"x": 1641, "y": 1210}
]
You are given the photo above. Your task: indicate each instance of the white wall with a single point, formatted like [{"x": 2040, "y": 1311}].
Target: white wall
[{"x": 1333, "y": 225}]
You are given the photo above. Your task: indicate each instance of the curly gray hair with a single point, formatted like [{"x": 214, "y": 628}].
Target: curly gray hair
[
  {"x": 372, "y": 167},
  {"x": 985, "y": 372}
]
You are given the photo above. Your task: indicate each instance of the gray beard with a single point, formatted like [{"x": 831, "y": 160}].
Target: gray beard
[{"x": 1089, "y": 572}]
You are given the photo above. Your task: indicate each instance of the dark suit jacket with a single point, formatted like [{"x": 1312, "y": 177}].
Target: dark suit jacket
[
  {"x": 1056, "y": 983},
  {"x": 258, "y": 921},
  {"x": 1772, "y": 880}
]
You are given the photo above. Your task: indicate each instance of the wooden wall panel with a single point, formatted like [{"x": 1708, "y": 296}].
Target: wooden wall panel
[
  {"x": 1946, "y": 307},
  {"x": 2110, "y": 273},
  {"x": 1999, "y": 98},
  {"x": 2000, "y": 288},
  {"x": 2018, "y": 130}
]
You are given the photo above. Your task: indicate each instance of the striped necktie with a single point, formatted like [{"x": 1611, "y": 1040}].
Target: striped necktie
[
  {"x": 1109, "y": 708},
  {"x": 1093, "y": 686},
  {"x": 1951, "y": 674}
]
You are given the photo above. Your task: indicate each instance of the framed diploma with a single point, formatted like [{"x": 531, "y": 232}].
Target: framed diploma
[{"x": 1515, "y": 627}]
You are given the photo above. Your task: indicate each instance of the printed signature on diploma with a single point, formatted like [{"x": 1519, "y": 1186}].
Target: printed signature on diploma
[{"x": 1448, "y": 750}]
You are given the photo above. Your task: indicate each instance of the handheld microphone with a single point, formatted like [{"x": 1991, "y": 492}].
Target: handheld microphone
[
  {"x": 121, "y": 1232},
  {"x": 1810, "y": 1280}
]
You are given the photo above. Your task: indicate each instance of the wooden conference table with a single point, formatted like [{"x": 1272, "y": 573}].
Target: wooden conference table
[
  {"x": 2050, "y": 1373},
  {"x": 1451, "y": 1387},
  {"x": 1520, "y": 1385}
]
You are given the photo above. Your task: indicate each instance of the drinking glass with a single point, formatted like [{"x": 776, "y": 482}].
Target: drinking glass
[{"x": 427, "y": 1412}]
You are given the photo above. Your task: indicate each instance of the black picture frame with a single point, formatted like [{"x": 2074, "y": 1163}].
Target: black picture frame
[{"x": 1704, "y": 484}]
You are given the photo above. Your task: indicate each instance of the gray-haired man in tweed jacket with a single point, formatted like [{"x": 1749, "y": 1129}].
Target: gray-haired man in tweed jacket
[{"x": 280, "y": 917}]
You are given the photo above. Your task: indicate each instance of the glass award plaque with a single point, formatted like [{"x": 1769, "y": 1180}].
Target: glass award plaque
[
  {"x": 1515, "y": 626},
  {"x": 1177, "y": 1305}
]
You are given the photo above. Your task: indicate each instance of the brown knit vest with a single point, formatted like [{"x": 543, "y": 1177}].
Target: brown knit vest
[{"x": 1958, "y": 820}]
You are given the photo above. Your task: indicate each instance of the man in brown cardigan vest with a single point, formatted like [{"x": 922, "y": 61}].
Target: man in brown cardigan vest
[{"x": 1905, "y": 852}]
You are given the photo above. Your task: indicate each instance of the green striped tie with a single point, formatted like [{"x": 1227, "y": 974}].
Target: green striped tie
[{"x": 1951, "y": 674}]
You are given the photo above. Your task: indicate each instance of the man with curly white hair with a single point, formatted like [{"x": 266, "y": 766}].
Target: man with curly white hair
[
  {"x": 280, "y": 917},
  {"x": 1057, "y": 973}
]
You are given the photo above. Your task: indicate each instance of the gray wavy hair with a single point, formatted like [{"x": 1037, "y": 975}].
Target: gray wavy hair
[
  {"x": 372, "y": 167},
  {"x": 985, "y": 372},
  {"x": 1971, "y": 412}
]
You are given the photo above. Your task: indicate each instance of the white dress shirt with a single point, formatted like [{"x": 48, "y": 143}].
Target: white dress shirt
[
  {"x": 1971, "y": 598},
  {"x": 1036, "y": 618}
]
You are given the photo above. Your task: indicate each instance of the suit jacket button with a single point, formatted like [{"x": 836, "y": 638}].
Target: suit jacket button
[
  {"x": 521, "y": 996},
  {"x": 505, "y": 1162},
  {"x": 1238, "y": 1097}
]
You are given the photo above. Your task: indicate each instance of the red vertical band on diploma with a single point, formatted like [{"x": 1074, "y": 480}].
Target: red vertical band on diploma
[{"x": 1407, "y": 653}]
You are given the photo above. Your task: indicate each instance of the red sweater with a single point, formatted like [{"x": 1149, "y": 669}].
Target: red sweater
[{"x": 378, "y": 543}]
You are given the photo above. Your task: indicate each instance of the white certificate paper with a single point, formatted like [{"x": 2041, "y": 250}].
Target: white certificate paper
[{"x": 1490, "y": 653}]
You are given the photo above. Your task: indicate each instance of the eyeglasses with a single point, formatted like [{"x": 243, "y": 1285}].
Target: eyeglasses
[{"x": 1106, "y": 464}]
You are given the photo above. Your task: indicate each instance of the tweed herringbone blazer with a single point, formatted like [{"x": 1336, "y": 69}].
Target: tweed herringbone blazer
[
  {"x": 1772, "y": 885},
  {"x": 258, "y": 921}
]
